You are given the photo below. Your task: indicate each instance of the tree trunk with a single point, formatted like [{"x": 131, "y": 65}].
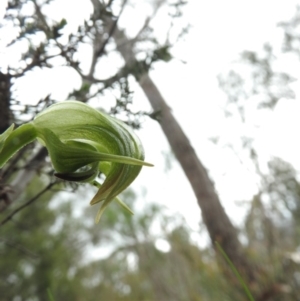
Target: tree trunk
[
  {"x": 214, "y": 216},
  {"x": 12, "y": 190},
  {"x": 5, "y": 86}
]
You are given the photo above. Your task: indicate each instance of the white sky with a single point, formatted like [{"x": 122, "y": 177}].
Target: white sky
[{"x": 221, "y": 30}]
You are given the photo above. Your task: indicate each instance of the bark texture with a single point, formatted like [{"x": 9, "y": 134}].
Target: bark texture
[
  {"x": 10, "y": 190},
  {"x": 5, "y": 86}
]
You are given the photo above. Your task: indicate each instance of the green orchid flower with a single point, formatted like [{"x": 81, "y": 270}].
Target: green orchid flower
[{"x": 82, "y": 142}]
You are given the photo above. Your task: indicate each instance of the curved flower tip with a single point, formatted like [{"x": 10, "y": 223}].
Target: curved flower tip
[{"x": 82, "y": 142}]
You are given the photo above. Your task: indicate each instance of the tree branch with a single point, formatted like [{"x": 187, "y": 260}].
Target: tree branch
[
  {"x": 11, "y": 215},
  {"x": 23, "y": 177},
  {"x": 100, "y": 49},
  {"x": 20, "y": 248},
  {"x": 214, "y": 216}
]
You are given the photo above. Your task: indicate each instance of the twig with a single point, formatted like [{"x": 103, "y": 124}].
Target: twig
[
  {"x": 10, "y": 216},
  {"x": 36, "y": 62},
  {"x": 20, "y": 248},
  {"x": 100, "y": 51}
]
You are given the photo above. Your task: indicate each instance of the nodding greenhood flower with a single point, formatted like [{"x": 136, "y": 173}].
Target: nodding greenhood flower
[{"x": 82, "y": 142}]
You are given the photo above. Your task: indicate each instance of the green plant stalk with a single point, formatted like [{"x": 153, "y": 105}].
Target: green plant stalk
[
  {"x": 50, "y": 296},
  {"x": 16, "y": 140},
  {"x": 236, "y": 272}
]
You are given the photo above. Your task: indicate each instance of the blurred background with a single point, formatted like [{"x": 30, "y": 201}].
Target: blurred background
[{"x": 212, "y": 90}]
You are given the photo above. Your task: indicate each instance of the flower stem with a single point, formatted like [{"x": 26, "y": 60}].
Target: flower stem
[{"x": 23, "y": 135}]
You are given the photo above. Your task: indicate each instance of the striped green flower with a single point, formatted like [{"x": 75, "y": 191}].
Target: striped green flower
[{"x": 82, "y": 142}]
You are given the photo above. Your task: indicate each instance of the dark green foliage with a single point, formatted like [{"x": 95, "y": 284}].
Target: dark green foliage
[
  {"x": 45, "y": 250},
  {"x": 35, "y": 256}
]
